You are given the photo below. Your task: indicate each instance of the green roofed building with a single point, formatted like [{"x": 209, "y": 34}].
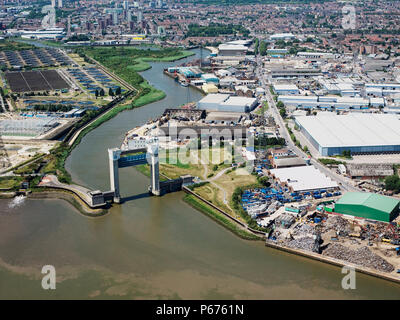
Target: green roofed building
[{"x": 368, "y": 205}]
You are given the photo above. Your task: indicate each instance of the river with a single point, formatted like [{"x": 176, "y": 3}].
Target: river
[{"x": 150, "y": 247}]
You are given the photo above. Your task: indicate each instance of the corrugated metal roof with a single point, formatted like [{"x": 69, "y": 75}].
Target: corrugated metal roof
[
  {"x": 371, "y": 200},
  {"x": 353, "y": 130}
]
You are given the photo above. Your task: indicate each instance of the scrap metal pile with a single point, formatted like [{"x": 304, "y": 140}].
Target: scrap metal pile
[
  {"x": 361, "y": 256},
  {"x": 303, "y": 230},
  {"x": 338, "y": 224},
  {"x": 381, "y": 230},
  {"x": 304, "y": 243}
]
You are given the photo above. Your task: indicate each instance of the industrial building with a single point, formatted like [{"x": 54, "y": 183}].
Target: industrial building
[
  {"x": 282, "y": 36},
  {"x": 210, "y": 77},
  {"x": 315, "y": 55},
  {"x": 188, "y": 72},
  {"x": 345, "y": 87},
  {"x": 224, "y": 117},
  {"x": 367, "y": 171},
  {"x": 368, "y": 205},
  {"x": 227, "y": 103},
  {"x": 358, "y": 133},
  {"x": 27, "y": 127},
  {"x": 286, "y": 89},
  {"x": 304, "y": 178},
  {"x": 232, "y": 50},
  {"x": 238, "y": 104},
  {"x": 382, "y": 89},
  {"x": 212, "y": 101},
  {"x": 277, "y": 51},
  {"x": 294, "y": 73},
  {"x": 330, "y": 102}
]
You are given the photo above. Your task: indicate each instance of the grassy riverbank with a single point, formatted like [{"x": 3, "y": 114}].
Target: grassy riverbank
[
  {"x": 141, "y": 64},
  {"x": 218, "y": 217}
]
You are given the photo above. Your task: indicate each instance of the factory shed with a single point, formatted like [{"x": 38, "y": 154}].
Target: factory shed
[
  {"x": 212, "y": 101},
  {"x": 369, "y": 170},
  {"x": 210, "y": 77},
  {"x": 368, "y": 205},
  {"x": 358, "y": 133},
  {"x": 304, "y": 178},
  {"x": 288, "y": 162},
  {"x": 238, "y": 104},
  {"x": 286, "y": 89}
]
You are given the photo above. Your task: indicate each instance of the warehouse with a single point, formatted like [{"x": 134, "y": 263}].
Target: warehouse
[
  {"x": 225, "y": 102},
  {"x": 304, "y": 178},
  {"x": 210, "y": 77},
  {"x": 316, "y": 55},
  {"x": 358, "y": 133},
  {"x": 329, "y": 102},
  {"x": 368, "y": 205},
  {"x": 282, "y": 36},
  {"x": 232, "y": 50},
  {"x": 238, "y": 104},
  {"x": 212, "y": 101},
  {"x": 286, "y": 89}
]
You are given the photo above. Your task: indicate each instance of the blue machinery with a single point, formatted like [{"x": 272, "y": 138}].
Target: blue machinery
[{"x": 128, "y": 158}]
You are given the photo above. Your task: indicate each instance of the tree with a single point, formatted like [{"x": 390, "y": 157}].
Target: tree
[
  {"x": 392, "y": 183},
  {"x": 118, "y": 91},
  {"x": 96, "y": 93},
  {"x": 102, "y": 93},
  {"x": 280, "y": 105},
  {"x": 346, "y": 153},
  {"x": 262, "y": 48},
  {"x": 282, "y": 112},
  {"x": 264, "y": 181},
  {"x": 111, "y": 92}
]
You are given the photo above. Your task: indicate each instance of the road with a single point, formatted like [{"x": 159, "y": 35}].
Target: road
[{"x": 284, "y": 133}]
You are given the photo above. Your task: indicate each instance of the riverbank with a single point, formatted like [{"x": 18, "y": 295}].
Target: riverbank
[
  {"x": 219, "y": 218},
  {"x": 71, "y": 198},
  {"x": 333, "y": 261},
  {"x": 142, "y": 64}
]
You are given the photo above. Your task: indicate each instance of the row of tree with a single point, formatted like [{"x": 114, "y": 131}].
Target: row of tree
[
  {"x": 111, "y": 92},
  {"x": 215, "y": 30}
]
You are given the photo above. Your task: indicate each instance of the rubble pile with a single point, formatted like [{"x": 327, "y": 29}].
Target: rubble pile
[
  {"x": 303, "y": 229},
  {"x": 305, "y": 243},
  {"x": 337, "y": 223},
  {"x": 361, "y": 256}
]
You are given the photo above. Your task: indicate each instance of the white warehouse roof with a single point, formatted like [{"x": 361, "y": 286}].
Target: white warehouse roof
[
  {"x": 232, "y": 47},
  {"x": 240, "y": 101},
  {"x": 304, "y": 178},
  {"x": 215, "y": 98},
  {"x": 287, "y": 86},
  {"x": 353, "y": 129}
]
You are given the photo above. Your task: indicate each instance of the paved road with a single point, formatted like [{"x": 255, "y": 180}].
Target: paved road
[{"x": 284, "y": 133}]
